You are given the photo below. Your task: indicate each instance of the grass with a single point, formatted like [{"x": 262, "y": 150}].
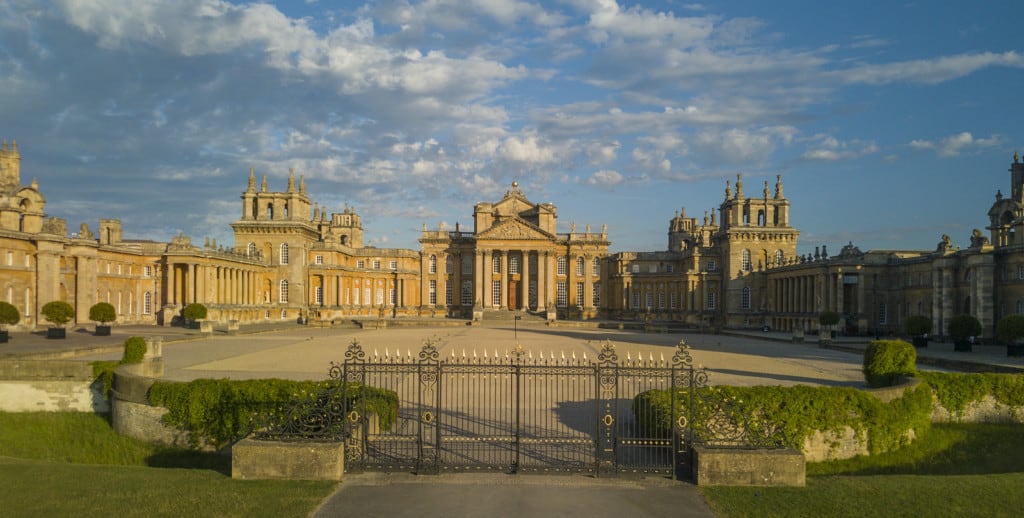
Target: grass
[
  {"x": 955, "y": 470},
  {"x": 65, "y": 464}
]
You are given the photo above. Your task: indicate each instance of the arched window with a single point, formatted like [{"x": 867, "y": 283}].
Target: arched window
[
  {"x": 284, "y": 253},
  {"x": 745, "y": 261},
  {"x": 251, "y": 249},
  {"x": 270, "y": 211},
  {"x": 433, "y": 264},
  {"x": 760, "y": 218},
  {"x": 147, "y": 303},
  {"x": 597, "y": 267},
  {"x": 283, "y": 292},
  {"x": 449, "y": 265},
  {"x": 562, "y": 266},
  {"x": 778, "y": 258},
  {"x": 579, "y": 266}
]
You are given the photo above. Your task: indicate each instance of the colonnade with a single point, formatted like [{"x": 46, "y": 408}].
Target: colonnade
[{"x": 213, "y": 284}]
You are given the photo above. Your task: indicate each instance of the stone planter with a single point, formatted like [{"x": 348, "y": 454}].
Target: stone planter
[
  {"x": 1015, "y": 349},
  {"x": 4, "y": 336},
  {"x": 56, "y": 332},
  {"x": 920, "y": 342},
  {"x": 962, "y": 345},
  {"x": 206, "y": 326},
  {"x": 102, "y": 330}
]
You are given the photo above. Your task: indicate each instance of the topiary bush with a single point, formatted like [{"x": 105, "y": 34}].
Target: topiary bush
[
  {"x": 9, "y": 315},
  {"x": 194, "y": 311},
  {"x": 134, "y": 350},
  {"x": 885, "y": 361},
  {"x": 102, "y": 312},
  {"x": 58, "y": 312},
  {"x": 961, "y": 328},
  {"x": 1010, "y": 330},
  {"x": 917, "y": 325}
]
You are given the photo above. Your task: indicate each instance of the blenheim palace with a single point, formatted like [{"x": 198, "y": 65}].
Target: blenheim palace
[{"x": 293, "y": 260}]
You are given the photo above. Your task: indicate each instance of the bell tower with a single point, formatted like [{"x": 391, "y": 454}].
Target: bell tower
[{"x": 10, "y": 167}]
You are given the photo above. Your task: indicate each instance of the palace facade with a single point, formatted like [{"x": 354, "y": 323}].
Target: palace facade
[{"x": 735, "y": 267}]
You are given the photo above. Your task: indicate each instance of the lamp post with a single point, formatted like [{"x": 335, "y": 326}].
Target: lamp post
[{"x": 515, "y": 327}]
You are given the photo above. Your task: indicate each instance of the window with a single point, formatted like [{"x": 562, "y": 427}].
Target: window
[
  {"x": 669, "y": 268},
  {"x": 250, "y": 250},
  {"x": 496, "y": 264},
  {"x": 318, "y": 295},
  {"x": 147, "y": 303},
  {"x": 597, "y": 267},
  {"x": 432, "y": 293},
  {"x": 634, "y": 268},
  {"x": 648, "y": 299},
  {"x": 449, "y": 265},
  {"x": 636, "y": 299},
  {"x": 778, "y": 258},
  {"x": 579, "y": 293},
  {"x": 319, "y": 259},
  {"x": 560, "y": 294},
  {"x": 467, "y": 293},
  {"x": 1020, "y": 307},
  {"x": 672, "y": 300},
  {"x": 284, "y": 253},
  {"x": 496, "y": 293},
  {"x": 366, "y": 297},
  {"x": 147, "y": 271},
  {"x": 448, "y": 292},
  {"x": 745, "y": 298},
  {"x": 376, "y": 264},
  {"x": 1020, "y": 271},
  {"x": 652, "y": 268},
  {"x": 882, "y": 314},
  {"x": 513, "y": 264},
  {"x": 967, "y": 277},
  {"x": 393, "y": 265},
  {"x": 360, "y": 264},
  {"x": 393, "y": 296},
  {"x": 380, "y": 296},
  {"x": 467, "y": 264},
  {"x": 579, "y": 266},
  {"x": 711, "y": 300},
  {"x": 596, "y": 298},
  {"x": 283, "y": 292},
  {"x": 745, "y": 261},
  {"x": 355, "y": 297},
  {"x": 432, "y": 264},
  {"x": 561, "y": 264},
  {"x": 661, "y": 300},
  {"x": 710, "y": 266}
]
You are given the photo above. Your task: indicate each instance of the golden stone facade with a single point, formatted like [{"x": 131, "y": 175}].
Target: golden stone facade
[{"x": 735, "y": 267}]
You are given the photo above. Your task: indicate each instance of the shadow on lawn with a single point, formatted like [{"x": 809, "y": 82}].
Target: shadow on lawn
[
  {"x": 187, "y": 459},
  {"x": 946, "y": 449}
]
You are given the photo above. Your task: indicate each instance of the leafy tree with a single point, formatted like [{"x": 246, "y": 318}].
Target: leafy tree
[
  {"x": 58, "y": 312},
  {"x": 918, "y": 325},
  {"x": 8, "y": 315},
  {"x": 102, "y": 312}
]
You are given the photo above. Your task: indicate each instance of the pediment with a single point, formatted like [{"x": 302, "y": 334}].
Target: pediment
[{"x": 514, "y": 229}]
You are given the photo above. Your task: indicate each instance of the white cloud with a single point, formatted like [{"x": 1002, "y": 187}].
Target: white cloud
[
  {"x": 929, "y": 71},
  {"x": 825, "y": 147},
  {"x": 953, "y": 145},
  {"x": 605, "y": 179}
]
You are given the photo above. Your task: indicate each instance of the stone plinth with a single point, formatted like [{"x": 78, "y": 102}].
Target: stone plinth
[
  {"x": 252, "y": 459},
  {"x": 749, "y": 467}
]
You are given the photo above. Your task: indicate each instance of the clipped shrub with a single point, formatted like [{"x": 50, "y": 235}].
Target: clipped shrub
[
  {"x": 134, "y": 350},
  {"x": 1009, "y": 329},
  {"x": 194, "y": 311},
  {"x": 58, "y": 312},
  {"x": 102, "y": 312},
  {"x": 885, "y": 361},
  {"x": 917, "y": 325},
  {"x": 9, "y": 315},
  {"x": 962, "y": 327}
]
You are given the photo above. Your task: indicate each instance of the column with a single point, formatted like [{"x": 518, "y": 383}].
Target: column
[
  {"x": 542, "y": 281},
  {"x": 525, "y": 276},
  {"x": 504, "y": 279},
  {"x": 171, "y": 287},
  {"x": 478, "y": 277}
]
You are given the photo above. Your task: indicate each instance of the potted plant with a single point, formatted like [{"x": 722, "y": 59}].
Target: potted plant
[
  {"x": 918, "y": 327},
  {"x": 193, "y": 312},
  {"x": 963, "y": 328},
  {"x": 8, "y": 317},
  {"x": 1010, "y": 330},
  {"x": 827, "y": 319},
  {"x": 102, "y": 313},
  {"x": 58, "y": 313}
]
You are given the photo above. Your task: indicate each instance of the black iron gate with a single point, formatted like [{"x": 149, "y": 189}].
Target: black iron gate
[{"x": 516, "y": 412}]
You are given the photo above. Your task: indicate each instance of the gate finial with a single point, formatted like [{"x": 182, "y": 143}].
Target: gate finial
[
  {"x": 355, "y": 351},
  {"x": 682, "y": 356}
]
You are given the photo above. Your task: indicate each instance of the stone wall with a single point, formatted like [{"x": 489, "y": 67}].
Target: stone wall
[
  {"x": 988, "y": 410},
  {"x": 749, "y": 467},
  {"x": 50, "y": 386}
]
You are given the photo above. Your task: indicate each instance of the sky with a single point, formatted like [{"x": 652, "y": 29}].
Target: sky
[{"x": 891, "y": 123}]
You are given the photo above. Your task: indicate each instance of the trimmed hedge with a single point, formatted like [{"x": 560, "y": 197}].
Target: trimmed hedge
[
  {"x": 102, "y": 312},
  {"x": 222, "y": 411},
  {"x": 58, "y": 312},
  {"x": 797, "y": 412},
  {"x": 885, "y": 361},
  {"x": 9, "y": 314}
]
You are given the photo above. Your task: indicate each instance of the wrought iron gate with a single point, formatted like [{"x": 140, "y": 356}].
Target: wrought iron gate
[{"x": 516, "y": 412}]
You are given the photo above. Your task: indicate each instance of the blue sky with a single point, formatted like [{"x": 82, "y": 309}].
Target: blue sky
[{"x": 890, "y": 123}]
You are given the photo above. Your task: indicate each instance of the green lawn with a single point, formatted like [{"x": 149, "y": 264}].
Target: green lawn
[
  {"x": 67, "y": 464},
  {"x": 955, "y": 470}
]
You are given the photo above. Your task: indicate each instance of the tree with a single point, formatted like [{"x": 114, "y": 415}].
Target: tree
[
  {"x": 194, "y": 311},
  {"x": 917, "y": 326},
  {"x": 962, "y": 328},
  {"x": 58, "y": 312},
  {"x": 102, "y": 312},
  {"x": 8, "y": 315},
  {"x": 1010, "y": 330}
]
